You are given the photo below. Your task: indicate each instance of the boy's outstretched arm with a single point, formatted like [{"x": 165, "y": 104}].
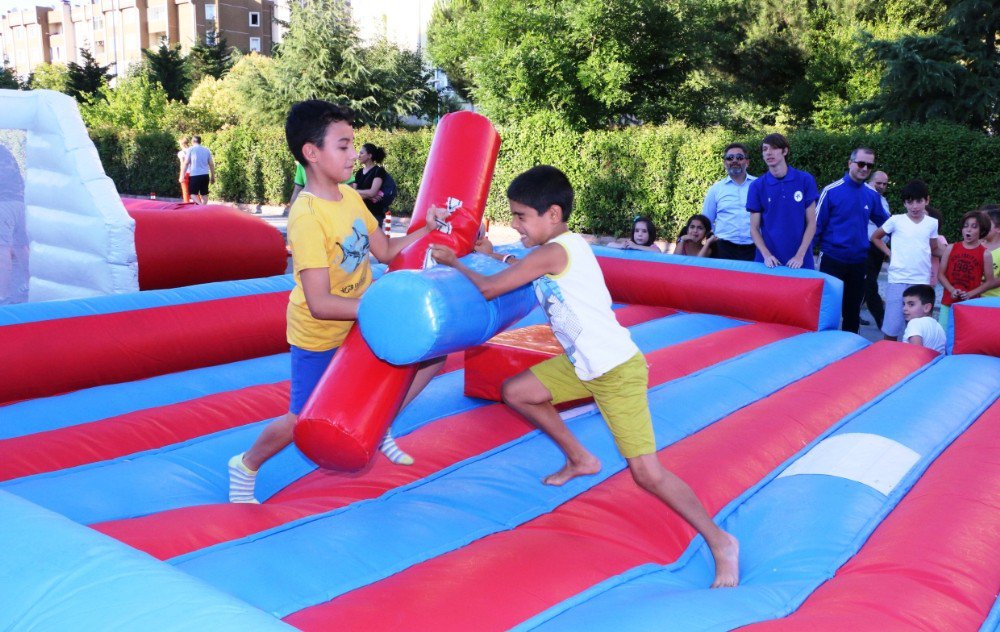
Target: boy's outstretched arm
[
  {"x": 547, "y": 259},
  {"x": 385, "y": 249}
]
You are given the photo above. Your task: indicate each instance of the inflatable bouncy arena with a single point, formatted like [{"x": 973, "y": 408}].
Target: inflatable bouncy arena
[{"x": 861, "y": 479}]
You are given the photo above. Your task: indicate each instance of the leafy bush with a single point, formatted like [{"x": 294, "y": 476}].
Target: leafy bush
[
  {"x": 660, "y": 171},
  {"x": 139, "y": 163}
]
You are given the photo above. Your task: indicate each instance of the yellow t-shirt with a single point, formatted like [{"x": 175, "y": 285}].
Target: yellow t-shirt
[
  {"x": 333, "y": 235},
  {"x": 996, "y": 272}
]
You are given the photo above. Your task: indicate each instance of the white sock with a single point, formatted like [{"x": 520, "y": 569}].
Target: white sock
[
  {"x": 393, "y": 452},
  {"x": 241, "y": 481}
]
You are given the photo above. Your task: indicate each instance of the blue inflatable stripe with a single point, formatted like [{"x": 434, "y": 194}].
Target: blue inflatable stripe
[
  {"x": 992, "y": 622},
  {"x": 802, "y": 523},
  {"x": 315, "y": 559},
  {"x": 192, "y": 472},
  {"x": 830, "y": 304},
  {"x": 50, "y": 310},
  {"x": 89, "y": 581},
  {"x": 101, "y": 402}
]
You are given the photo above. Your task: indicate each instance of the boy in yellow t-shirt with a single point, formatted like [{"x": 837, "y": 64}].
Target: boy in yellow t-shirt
[{"x": 330, "y": 232}]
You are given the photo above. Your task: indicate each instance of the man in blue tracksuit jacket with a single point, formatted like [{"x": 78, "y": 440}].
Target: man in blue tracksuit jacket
[{"x": 842, "y": 216}]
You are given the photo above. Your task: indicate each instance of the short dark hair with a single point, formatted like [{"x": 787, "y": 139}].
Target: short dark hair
[
  {"x": 307, "y": 122},
  {"x": 540, "y": 187},
  {"x": 981, "y": 218},
  {"x": 739, "y": 146},
  {"x": 775, "y": 140},
  {"x": 650, "y": 228},
  {"x": 922, "y": 291},
  {"x": 857, "y": 150},
  {"x": 915, "y": 190},
  {"x": 993, "y": 212},
  {"x": 196, "y": 139},
  {"x": 377, "y": 153}
]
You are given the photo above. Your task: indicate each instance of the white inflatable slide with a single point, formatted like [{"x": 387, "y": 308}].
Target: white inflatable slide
[{"x": 63, "y": 230}]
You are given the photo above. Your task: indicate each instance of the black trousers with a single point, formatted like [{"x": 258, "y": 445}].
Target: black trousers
[
  {"x": 739, "y": 252},
  {"x": 853, "y": 276},
  {"x": 872, "y": 298}
]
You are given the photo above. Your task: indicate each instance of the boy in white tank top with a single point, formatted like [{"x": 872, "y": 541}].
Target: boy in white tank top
[{"x": 601, "y": 361}]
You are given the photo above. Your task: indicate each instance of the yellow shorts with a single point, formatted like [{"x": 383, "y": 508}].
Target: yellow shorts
[{"x": 620, "y": 394}]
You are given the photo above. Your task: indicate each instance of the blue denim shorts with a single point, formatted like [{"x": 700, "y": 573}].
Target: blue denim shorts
[{"x": 307, "y": 368}]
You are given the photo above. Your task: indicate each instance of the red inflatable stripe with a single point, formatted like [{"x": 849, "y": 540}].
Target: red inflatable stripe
[
  {"x": 614, "y": 526},
  {"x": 781, "y": 300},
  {"x": 56, "y": 356},
  {"x": 927, "y": 566},
  {"x": 138, "y": 431},
  {"x": 185, "y": 244},
  {"x": 435, "y": 447}
]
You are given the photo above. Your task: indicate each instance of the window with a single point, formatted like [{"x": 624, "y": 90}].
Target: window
[
  {"x": 98, "y": 22},
  {"x": 255, "y": 44},
  {"x": 155, "y": 14},
  {"x": 210, "y": 12},
  {"x": 254, "y": 18}
]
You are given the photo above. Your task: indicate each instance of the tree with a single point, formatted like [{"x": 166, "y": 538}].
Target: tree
[
  {"x": 209, "y": 60},
  {"x": 8, "y": 79},
  {"x": 165, "y": 66},
  {"x": 86, "y": 80},
  {"x": 135, "y": 103},
  {"x": 49, "y": 77},
  {"x": 593, "y": 62},
  {"x": 953, "y": 74},
  {"x": 399, "y": 84},
  {"x": 321, "y": 57}
]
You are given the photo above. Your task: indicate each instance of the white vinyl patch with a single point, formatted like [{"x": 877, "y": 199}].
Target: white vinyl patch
[{"x": 869, "y": 459}]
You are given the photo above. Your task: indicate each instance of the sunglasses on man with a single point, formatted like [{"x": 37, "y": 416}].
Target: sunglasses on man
[
  {"x": 734, "y": 157},
  {"x": 864, "y": 165}
]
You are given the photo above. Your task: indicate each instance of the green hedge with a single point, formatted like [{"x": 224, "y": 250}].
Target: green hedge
[
  {"x": 139, "y": 163},
  {"x": 660, "y": 171}
]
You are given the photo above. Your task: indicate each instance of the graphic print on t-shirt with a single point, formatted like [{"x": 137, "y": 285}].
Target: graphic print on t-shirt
[
  {"x": 355, "y": 247},
  {"x": 565, "y": 324}
]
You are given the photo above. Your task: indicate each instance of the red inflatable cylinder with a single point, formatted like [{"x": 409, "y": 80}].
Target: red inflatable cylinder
[
  {"x": 359, "y": 395},
  {"x": 185, "y": 244}
]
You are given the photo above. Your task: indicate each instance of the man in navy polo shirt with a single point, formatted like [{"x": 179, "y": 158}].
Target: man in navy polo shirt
[
  {"x": 845, "y": 207},
  {"x": 726, "y": 205},
  {"x": 782, "y": 205}
]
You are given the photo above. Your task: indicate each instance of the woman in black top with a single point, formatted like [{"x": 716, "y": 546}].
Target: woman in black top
[{"x": 369, "y": 178}]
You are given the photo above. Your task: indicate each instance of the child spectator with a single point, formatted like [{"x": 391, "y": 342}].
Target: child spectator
[
  {"x": 782, "y": 206},
  {"x": 914, "y": 238},
  {"x": 963, "y": 263},
  {"x": 942, "y": 243},
  {"x": 696, "y": 238},
  {"x": 600, "y": 360},
  {"x": 643, "y": 236},
  {"x": 921, "y": 329},
  {"x": 330, "y": 233},
  {"x": 991, "y": 257}
]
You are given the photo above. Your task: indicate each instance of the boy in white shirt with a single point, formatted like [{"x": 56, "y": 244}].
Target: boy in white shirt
[
  {"x": 601, "y": 360},
  {"x": 921, "y": 329},
  {"x": 914, "y": 240}
]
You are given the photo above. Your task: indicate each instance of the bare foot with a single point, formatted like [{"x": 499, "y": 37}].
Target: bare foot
[
  {"x": 573, "y": 469},
  {"x": 727, "y": 562}
]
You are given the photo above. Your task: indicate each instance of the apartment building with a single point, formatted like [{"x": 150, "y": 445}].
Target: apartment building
[{"x": 116, "y": 31}]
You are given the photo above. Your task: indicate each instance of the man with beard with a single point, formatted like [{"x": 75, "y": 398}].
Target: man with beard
[{"x": 726, "y": 205}]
